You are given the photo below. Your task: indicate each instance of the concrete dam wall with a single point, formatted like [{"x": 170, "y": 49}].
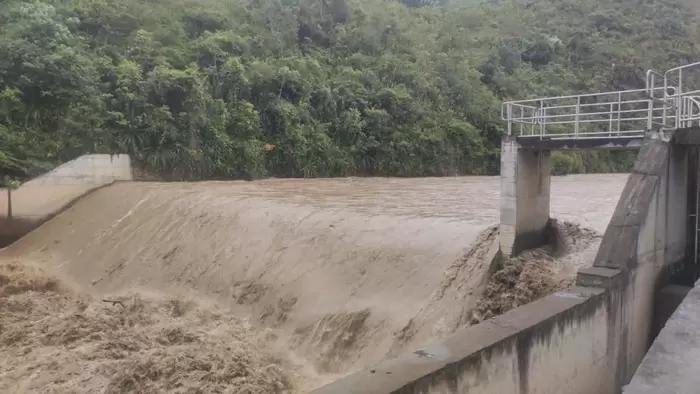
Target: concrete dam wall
[
  {"x": 588, "y": 339},
  {"x": 41, "y": 198}
]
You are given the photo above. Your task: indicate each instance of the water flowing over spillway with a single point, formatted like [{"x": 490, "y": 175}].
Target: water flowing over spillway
[{"x": 341, "y": 273}]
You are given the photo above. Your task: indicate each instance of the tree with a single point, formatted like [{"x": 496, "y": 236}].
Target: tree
[
  {"x": 10, "y": 184},
  {"x": 201, "y": 89}
]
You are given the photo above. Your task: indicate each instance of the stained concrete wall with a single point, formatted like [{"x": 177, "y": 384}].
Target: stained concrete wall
[
  {"x": 671, "y": 365},
  {"x": 525, "y": 193},
  {"x": 586, "y": 340},
  {"x": 554, "y": 345},
  {"x": 645, "y": 238},
  {"x": 87, "y": 170},
  {"x": 667, "y": 301},
  {"x": 43, "y": 197}
]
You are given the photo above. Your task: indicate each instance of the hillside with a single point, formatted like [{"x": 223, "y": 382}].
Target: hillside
[{"x": 221, "y": 89}]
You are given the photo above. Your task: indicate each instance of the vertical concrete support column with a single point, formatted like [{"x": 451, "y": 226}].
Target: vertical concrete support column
[{"x": 525, "y": 186}]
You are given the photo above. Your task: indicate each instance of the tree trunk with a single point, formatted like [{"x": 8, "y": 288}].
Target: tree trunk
[{"x": 9, "y": 204}]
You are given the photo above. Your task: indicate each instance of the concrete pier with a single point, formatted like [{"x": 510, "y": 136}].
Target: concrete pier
[{"x": 525, "y": 191}]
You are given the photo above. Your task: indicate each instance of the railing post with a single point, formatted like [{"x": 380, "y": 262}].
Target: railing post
[
  {"x": 684, "y": 112},
  {"x": 542, "y": 118},
  {"x": 679, "y": 108},
  {"x": 651, "y": 88},
  {"x": 576, "y": 121},
  {"x": 619, "y": 111},
  {"x": 509, "y": 115},
  {"x": 665, "y": 102},
  {"x": 610, "y": 119}
]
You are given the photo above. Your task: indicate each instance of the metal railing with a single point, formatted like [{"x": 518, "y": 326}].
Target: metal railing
[
  {"x": 680, "y": 98},
  {"x": 611, "y": 114},
  {"x": 670, "y": 101}
]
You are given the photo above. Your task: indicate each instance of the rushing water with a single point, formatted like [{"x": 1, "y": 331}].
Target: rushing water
[{"x": 341, "y": 268}]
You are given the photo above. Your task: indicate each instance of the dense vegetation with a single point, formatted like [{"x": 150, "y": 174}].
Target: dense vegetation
[{"x": 250, "y": 88}]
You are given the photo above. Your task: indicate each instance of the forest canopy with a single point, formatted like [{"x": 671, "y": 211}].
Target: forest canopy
[{"x": 229, "y": 89}]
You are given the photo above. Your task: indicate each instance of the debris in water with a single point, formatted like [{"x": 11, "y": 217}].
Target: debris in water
[{"x": 81, "y": 345}]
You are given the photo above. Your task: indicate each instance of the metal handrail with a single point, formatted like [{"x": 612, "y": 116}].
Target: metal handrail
[
  {"x": 611, "y": 114},
  {"x": 684, "y": 99},
  {"x": 690, "y": 117},
  {"x": 626, "y": 113},
  {"x": 666, "y": 100}
]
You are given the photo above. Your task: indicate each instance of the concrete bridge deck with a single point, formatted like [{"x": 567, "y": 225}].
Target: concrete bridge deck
[{"x": 597, "y": 143}]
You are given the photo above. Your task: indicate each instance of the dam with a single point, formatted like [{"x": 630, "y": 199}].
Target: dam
[
  {"x": 373, "y": 282},
  {"x": 595, "y": 336}
]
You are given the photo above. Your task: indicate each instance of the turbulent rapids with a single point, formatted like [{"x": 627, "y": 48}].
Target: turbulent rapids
[{"x": 268, "y": 286}]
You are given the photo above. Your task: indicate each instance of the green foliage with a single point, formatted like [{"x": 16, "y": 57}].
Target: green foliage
[
  {"x": 221, "y": 89},
  {"x": 10, "y": 183}
]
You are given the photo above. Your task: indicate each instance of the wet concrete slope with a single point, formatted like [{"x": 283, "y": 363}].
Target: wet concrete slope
[
  {"x": 40, "y": 198},
  {"x": 295, "y": 253},
  {"x": 342, "y": 268}
]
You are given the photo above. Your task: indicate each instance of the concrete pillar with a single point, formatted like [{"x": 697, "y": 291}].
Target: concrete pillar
[{"x": 525, "y": 185}]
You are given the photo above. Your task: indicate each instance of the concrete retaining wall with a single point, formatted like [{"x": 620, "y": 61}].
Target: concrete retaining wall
[
  {"x": 586, "y": 340},
  {"x": 554, "y": 345},
  {"x": 670, "y": 366},
  {"x": 645, "y": 238},
  {"x": 41, "y": 198}
]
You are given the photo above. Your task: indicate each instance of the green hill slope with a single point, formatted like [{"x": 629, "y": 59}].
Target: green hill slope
[{"x": 254, "y": 88}]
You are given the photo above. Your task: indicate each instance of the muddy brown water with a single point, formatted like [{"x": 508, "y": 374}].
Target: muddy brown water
[{"x": 339, "y": 267}]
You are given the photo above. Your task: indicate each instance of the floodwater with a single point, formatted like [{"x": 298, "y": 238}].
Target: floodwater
[{"x": 341, "y": 269}]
